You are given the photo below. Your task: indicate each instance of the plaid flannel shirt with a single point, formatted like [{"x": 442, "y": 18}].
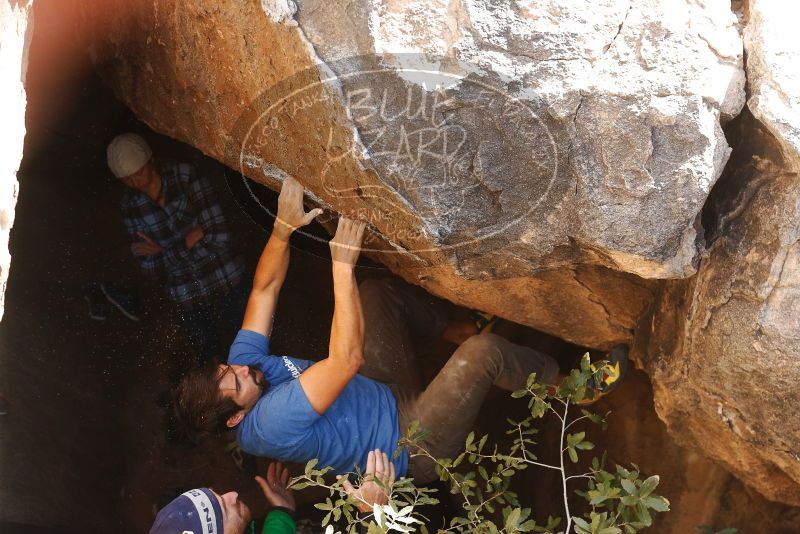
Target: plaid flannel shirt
[{"x": 207, "y": 270}]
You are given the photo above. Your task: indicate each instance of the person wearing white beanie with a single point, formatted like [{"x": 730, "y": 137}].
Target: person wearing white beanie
[
  {"x": 180, "y": 237},
  {"x": 127, "y": 154}
]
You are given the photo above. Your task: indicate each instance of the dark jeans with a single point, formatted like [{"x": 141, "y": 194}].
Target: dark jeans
[
  {"x": 395, "y": 313},
  {"x": 212, "y": 325}
]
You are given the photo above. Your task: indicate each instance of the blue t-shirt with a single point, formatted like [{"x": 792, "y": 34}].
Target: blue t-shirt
[{"x": 283, "y": 425}]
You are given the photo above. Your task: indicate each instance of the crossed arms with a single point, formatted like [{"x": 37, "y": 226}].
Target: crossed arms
[
  {"x": 149, "y": 233},
  {"x": 325, "y": 380}
]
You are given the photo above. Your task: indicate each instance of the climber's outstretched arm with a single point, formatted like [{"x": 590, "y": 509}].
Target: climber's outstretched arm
[{"x": 274, "y": 261}]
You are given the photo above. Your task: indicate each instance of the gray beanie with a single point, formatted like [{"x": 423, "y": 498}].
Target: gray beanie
[
  {"x": 127, "y": 153},
  {"x": 197, "y": 512}
]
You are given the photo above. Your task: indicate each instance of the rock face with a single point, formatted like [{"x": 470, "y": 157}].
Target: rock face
[
  {"x": 700, "y": 490},
  {"x": 496, "y": 149},
  {"x": 724, "y": 351},
  {"x": 773, "y": 73},
  {"x": 15, "y": 18},
  {"x": 624, "y": 143}
]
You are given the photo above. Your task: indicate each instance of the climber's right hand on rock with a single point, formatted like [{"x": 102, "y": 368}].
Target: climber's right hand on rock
[
  {"x": 346, "y": 244},
  {"x": 291, "y": 214}
]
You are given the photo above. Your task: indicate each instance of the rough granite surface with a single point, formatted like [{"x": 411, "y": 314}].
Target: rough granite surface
[
  {"x": 624, "y": 142},
  {"x": 723, "y": 355}
]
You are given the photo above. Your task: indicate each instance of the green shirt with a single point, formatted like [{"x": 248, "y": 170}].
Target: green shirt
[{"x": 277, "y": 522}]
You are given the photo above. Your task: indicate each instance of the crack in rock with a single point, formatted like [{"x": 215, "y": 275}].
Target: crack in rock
[{"x": 619, "y": 30}]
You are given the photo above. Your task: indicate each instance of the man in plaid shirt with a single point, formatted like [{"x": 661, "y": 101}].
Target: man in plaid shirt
[{"x": 179, "y": 235}]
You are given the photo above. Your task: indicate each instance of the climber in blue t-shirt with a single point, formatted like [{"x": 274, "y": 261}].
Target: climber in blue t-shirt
[
  {"x": 295, "y": 409},
  {"x": 284, "y": 423},
  {"x": 298, "y": 410}
]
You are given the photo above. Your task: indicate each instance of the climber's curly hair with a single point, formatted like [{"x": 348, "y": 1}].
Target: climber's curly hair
[{"x": 199, "y": 405}]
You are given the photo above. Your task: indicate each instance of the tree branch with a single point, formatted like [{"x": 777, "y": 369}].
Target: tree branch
[{"x": 563, "y": 473}]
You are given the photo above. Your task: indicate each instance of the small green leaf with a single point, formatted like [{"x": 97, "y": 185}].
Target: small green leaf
[
  {"x": 482, "y": 471},
  {"x": 310, "y": 466},
  {"x": 593, "y": 417},
  {"x": 581, "y": 526},
  {"x": 573, "y": 455},
  {"x": 648, "y": 486},
  {"x": 513, "y": 519},
  {"x": 531, "y": 380},
  {"x": 644, "y": 515},
  {"x": 538, "y": 408},
  {"x": 327, "y": 505},
  {"x": 629, "y": 486},
  {"x": 657, "y": 503}
]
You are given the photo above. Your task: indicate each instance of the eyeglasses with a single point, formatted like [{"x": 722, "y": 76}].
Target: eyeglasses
[{"x": 228, "y": 369}]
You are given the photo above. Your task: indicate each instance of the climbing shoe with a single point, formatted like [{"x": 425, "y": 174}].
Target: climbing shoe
[
  {"x": 484, "y": 322},
  {"x": 608, "y": 374}
]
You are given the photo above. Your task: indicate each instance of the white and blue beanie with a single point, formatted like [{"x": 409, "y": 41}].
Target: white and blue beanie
[{"x": 195, "y": 512}]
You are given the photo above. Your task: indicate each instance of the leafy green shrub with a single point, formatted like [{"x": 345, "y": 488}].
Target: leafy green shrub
[{"x": 481, "y": 476}]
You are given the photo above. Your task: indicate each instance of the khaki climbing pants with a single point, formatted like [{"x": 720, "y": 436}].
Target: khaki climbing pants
[{"x": 396, "y": 313}]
